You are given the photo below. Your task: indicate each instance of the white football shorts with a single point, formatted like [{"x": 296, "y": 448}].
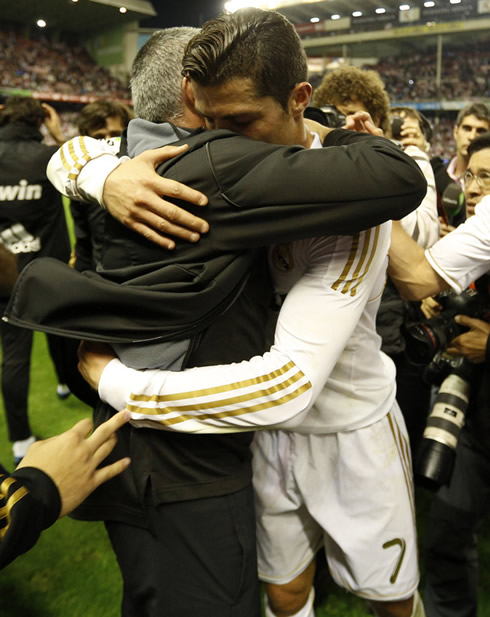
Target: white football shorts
[{"x": 351, "y": 492}]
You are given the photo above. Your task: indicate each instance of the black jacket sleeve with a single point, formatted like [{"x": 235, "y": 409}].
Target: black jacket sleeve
[
  {"x": 259, "y": 194},
  {"x": 269, "y": 193},
  {"x": 29, "y": 503}
]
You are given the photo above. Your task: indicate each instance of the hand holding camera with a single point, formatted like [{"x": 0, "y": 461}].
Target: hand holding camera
[{"x": 473, "y": 343}]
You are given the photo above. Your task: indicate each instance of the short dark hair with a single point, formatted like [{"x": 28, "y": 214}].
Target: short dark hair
[
  {"x": 94, "y": 115},
  {"x": 261, "y": 45},
  {"x": 480, "y": 143},
  {"x": 351, "y": 83},
  {"x": 22, "y": 109},
  {"x": 480, "y": 110}
]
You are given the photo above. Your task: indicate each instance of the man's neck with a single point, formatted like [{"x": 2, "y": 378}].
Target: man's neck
[
  {"x": 307, "y": 136},
  {"x": 461, "y": 165}
]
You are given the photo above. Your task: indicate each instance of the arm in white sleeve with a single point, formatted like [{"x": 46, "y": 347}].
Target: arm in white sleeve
[
  {"x": 314, "y": 326},
  {"x": 463, "y": 256},
  {"x": 423, "y": 223},
  {"x": 80, "y": 167}
]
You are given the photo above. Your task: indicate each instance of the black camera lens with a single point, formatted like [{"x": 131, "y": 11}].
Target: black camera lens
[
  {"x": 424, "y": 339},
  {"x": 396, "y": 127},
  {"x": 328, "y": 115}
]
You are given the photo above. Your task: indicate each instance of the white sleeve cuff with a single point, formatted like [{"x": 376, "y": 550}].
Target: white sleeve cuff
[
  {"x": 116, "y": 384},
  {"x": 453, "y": 283},
  {"x": 92, "y": 177}
]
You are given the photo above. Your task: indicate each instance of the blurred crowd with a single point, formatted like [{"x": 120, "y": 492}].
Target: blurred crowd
[
  {"x": 60, "y": 68},
  {"x": 465, "y": 74},
  {"x": 47, "y": 67}
]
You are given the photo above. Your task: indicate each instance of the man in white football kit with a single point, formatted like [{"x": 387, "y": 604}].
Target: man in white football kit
[{"x": 343, "y": 477}]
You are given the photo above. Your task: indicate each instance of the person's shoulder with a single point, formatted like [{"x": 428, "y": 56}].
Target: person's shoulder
[{"x": 483, "y": 207}]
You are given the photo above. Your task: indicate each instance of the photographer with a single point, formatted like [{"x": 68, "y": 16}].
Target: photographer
[{"x": 457, "y": 260}]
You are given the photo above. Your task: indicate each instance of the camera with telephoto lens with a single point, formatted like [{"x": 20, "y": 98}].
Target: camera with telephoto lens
[
  {"x": 328, "y": 115},
  {"x": 436, "y": 454},
  {"x": 425, "y": 344}
]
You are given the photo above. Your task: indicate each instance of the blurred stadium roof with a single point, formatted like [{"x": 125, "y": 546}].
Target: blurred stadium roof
[
  {"x": 79, "y": 16},
  {"x": 301, "y": 12}
]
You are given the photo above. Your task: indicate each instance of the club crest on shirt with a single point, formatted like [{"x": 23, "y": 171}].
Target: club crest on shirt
[{"x": 282, "y": 258}]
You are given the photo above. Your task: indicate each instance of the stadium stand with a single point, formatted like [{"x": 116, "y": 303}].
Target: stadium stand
[{"x": 61, "y": 71}]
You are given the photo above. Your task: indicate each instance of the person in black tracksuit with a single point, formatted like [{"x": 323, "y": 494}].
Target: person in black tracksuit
[
  {"x": 181, "y": 519},
  {"x": 32, "y": 224}
]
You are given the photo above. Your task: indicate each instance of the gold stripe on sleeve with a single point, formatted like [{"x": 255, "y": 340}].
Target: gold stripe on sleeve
[
  {"x": 66, "y": 164},
  {"x": 365, "y": 247},
  {"x": 232, "y": 400},
  {"x": 83, "y": 148},
  {"x": 5, "y": 511},
  {"x": 348, "y": 265},
  {"x": 216, "y": 390},
  {"x": 370, "y": 261},
  {"x": 223, "y": 414},
  {"x": 73, "y": 154}
]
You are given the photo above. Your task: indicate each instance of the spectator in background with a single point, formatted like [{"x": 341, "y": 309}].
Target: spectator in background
[
  {"x": 102, "y": 120},
  {"x": 472, "y": 121},
  {"x": 32, "y": 224},
  {"x": 352, "y": 89}
]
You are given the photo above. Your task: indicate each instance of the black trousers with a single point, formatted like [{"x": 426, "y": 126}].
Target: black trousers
[
  {"x": 413, "y": 396},
  {"x": 16, "y": 368},
  {"x": 197, "y": 558},
  {"x": 451, "y": 546}
]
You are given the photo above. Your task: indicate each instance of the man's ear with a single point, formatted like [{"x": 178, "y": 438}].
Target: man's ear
[
  {"x": 300, "y": 98},
  {"x": 188, "y": 94},
  {"x": 190, "y": 117},
  {"x": 455, "y": 132}
]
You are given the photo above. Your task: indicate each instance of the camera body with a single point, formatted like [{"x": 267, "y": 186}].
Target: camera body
[
  {"x": 396, "y": 127},
  {"x": 328, "y": 115},
  {"x": 425, "y": 338},
  {"x": 397, "y": 123}
]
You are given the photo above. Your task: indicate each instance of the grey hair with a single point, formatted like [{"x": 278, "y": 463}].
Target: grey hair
[{"x": 156, "y": 75}]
